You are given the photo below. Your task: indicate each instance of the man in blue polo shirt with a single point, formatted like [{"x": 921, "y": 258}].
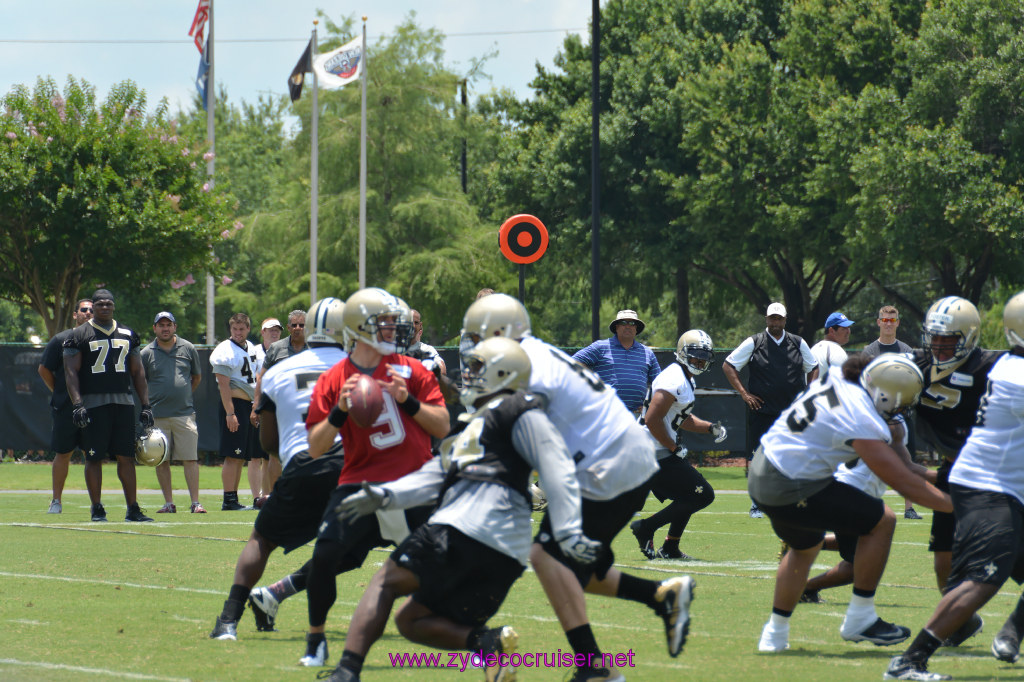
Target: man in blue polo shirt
[{"x": 621, "y": 361}]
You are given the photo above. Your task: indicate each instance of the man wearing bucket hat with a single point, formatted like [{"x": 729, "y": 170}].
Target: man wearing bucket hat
[{"x": 621, "y": 361}]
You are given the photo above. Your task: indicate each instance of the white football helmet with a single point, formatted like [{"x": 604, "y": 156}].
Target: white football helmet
[
  {"x": 951, "y": 316},
  {"x": 493, "y": 365},
  {"x": 894, "y": 383},
  {"x": 325, "y": 321},
  {"x": 695, "y": 351},
  {"x": 363, "y": 315},
  {"x": 152, "y": 448},
  {"x": 1013, "y": 320}
]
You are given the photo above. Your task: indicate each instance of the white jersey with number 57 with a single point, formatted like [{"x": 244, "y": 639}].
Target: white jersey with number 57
[
  {"x": 812, "y": 436},
  {"x": 591, "y": 418}
]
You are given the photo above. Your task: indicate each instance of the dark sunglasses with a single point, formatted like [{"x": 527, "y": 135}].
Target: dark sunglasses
[
  {"x": 631, "y": 323},
  {"x": 85, "y": 310},
  {"x": 296, "y": 325}
]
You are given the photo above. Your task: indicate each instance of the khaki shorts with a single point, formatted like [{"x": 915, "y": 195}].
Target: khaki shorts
[{"x": 183, "y": 436}]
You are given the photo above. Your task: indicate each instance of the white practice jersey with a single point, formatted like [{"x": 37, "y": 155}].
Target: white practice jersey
[
  {"x": 240, "y": 365},
  {"x": 829, "y": 355},
  {"x": 672, "y": 380},
  {"x": 993, "y": 456},
  {"x": 591, "y": 418},
  {"x": 813, "y": 435},
  {"x": 288, "y": 385},
  {"x": 862, "y": 477}
]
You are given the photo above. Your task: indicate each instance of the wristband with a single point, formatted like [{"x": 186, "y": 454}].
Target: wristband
[
  {"x": 146, "y": 407},
  {"x": 231, "y": 415},
  {"x": 678, "y": 448},
  {"x": 411, "y": 405},
  {"x": 711, "y": 427},
  {"x": 336, "y": 417}
]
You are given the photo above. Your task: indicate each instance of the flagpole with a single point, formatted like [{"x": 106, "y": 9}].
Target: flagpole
[
  {"x": 211, "y": 104},
  {"x": 362, "y": 168},
  {"x": 314, "y": 175}
]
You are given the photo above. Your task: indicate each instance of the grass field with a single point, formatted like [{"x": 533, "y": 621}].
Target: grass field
[{"x": 118, "y": 601}]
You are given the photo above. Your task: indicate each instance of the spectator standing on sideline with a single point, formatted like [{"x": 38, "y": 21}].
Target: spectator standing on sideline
[
  {"x": 173, "y": 372},
  {"x": 101, "y": 358},
  {"x": 64, "y": 437},
  {"x": 235, "y": 362},
  {"x": 423, "y": 352},
  {"x": 829, "y": 351},
  {"x": 781, "y": 365},
  {"x": 888, "y": 323},
  {"x": 621, "y": 361}
]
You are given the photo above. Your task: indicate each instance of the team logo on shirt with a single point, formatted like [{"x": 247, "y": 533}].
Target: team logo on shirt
[{"x": 961, "y": 379}]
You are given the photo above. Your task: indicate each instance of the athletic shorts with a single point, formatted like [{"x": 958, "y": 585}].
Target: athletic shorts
[
  {"x": 943, "y": 523},
  {"x": 110, "y": 433},
  {"x": 461, "y": 579},
  {"x": 847, "y": 545},
  {"x": 602, "y": 521},
  {"x": 989, "y": 543},
  {"x": 183, "y": 436},
  {"x": 64, "y": 435},
  {"x": 677, "y": 478},
  {"x": 291, "y": 516},
  {"x": 239, "y": 444},
  {"x": 839, "y": 507}
]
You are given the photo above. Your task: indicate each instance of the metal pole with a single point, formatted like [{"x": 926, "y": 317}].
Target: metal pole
[
  {"x": 595, "y": 171},
  {"x": 465, "y": 116},
  {"x": 314, "y": 176},
  {"x": 211, "y": 106},
  {"x": 362, "y": 168}
]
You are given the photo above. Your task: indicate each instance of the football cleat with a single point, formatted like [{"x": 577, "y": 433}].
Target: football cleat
[
  {"x": 674, "y": 596},
  {"x": 316, "y": 653},
  {"x": 232, "y": 505},
  {"x": 596, "y": 675},
  {"x": 168, "y": 508},
  {"x": 98, "y": 513},
  {"x": 264, "y": 608},
  {"x": 911, "y": 513},
  {"x": 969, "y": 629},
  {"x": 879, "y": 633},
  {"x": 499, "y": 641},
  {"x": 339, "y": 674},
  {"x": 674, "y": 553},
  {"x": 773, "y": 640},
  {"x": 135, "y": 514},
  {"x": 225, "y": 629},
  {"x": 811, "y": 597},
  {"x": 645, "y": 540},
  {"x": 756, "y": 513},
  {"x": 902, "y": 669},
  {"x": 1006, "y": 645},
  {"x": 55, "y": 507}
]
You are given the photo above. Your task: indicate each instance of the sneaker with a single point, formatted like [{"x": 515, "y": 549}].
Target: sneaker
[
  {"x": 232, "y": 506},
  {"x": 168, "y": 508},
  {"x": 339, "y": 674},
  {"x": 98, "y": 512},
  {"x": 264, "y": 608},
  {"x": 674, "y": 553},
  {"x": 597, "y": 675},
  {"x": 258, "y": 502},
  {"x": 879, "y": 633},
  {"x": 225, "y": 629},
  {"x": 811, "y": 597},
  {"x": 1006, "y": 645},
  {"x": 969, "y": 629},
  {"x": 501, "y": 640},
  {"x": 674, "y": 596},
  {"x": 316, "y": 653},
  {"x": 645, "y": 540},
  {"x": 55, "y": 507},
  {"x": 197, "y": 508},
  {"x": 912, "y": 514},
  {"x": 135, "y": 514},
  {"x": 902, "y": 669},
  {"x": 773, "y": 640},
  {"x": 756, "y": 513}
]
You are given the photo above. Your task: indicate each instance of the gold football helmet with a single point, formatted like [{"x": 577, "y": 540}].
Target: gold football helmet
[
  {"x": 496, "y": 315},
  {"x": 152, "y": 448},
  {"x": 493, "y": 365},
  {"x": 365, "y": 320},
  {"x": 325, "y": 321},
  {"x": 695, "y": 351},
  {"x": 952, "y": 326},
  {"x": 894, "y": 383},
  {"x": 1013, "y": 320}
]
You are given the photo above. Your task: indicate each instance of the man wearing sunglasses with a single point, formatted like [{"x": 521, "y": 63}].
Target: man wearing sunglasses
[
  {"x": 888, "y": 323},
  {"x": 622, "y": 362}
]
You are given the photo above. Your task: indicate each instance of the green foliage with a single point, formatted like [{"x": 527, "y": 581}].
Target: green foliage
[{"x": 96, "y": 194}]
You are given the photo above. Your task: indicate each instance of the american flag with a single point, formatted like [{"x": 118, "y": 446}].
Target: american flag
[{"x": 199, "y": 23}]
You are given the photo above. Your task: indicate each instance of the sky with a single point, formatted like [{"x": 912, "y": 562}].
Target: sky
[{"x": 257, "y": 42}]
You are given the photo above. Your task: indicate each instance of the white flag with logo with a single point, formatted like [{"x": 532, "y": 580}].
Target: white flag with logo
[{"x": 341, "y": 66}]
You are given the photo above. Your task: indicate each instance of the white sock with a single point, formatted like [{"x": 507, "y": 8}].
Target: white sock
[
  {"x": 859, "y": 614},
  {"x": 778, "y": 622}
]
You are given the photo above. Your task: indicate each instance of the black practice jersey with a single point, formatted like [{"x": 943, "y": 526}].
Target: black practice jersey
[{"x": 104, "y": 357}]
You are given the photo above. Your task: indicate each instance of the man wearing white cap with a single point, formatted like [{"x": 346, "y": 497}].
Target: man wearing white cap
[
  {"x": 781, "y": 365},
  {"x": 621, "y": 361}
]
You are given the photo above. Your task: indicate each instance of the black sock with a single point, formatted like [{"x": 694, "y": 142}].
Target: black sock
[
  {"x": 582, "y": 641},
  {"x": 1017, "y": 617},
  {"x": 671, "y": 543},
  {"x": 637, "y": 589},
  {"x": 231, "y": 496},
  {"x": 923, "y": 646},
  {"x": 350, "y": 660},
  {"x": 235, "y": 604},
  {"x": 868, "y": 594},
  {"x": 315, "y": 637},
  {"x": 780, "y": 612}
]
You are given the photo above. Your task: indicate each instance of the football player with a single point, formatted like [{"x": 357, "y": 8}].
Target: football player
[
  {"x": 987, "y": 485},
  {"x": 955, "y": 372},
  {"x": 837, "y": 419},
  {"x": 101, "y": 357},
  {"x": 614, "y": 461},
  {"x": 668, "y": 408},
  {"x": 290, "y": 517},
  {"x": 460, "y": 565},
  {"x": 377, "y": 328}
]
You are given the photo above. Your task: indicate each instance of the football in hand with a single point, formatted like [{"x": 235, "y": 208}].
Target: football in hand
[{"x": 365, "y": 401}]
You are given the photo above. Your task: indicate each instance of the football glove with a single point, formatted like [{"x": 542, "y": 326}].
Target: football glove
[
  {"x": 146, "y": 417},
  {"x": 362, "y": 503},
  {"x": 580, "y": 548},
  {"x": 718, "y": 431},
  {"x": 80, "y": 416}
]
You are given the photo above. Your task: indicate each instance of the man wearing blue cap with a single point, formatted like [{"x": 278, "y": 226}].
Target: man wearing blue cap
[
  {"x": 173, "y": 372},
  {"x": 829, "y": 351}
]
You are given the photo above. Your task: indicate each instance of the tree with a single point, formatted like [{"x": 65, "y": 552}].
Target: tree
[{"x": 97, "y": 194}]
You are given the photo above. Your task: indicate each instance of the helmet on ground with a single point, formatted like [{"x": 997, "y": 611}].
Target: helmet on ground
[
  {"x": 952, "y": 317},
  {"x": 894, "y": 383},
  {"x": 493, "y": 365},
  {"x": 325, "y": 321},
  {"x": 695, "y": 351},
  {"x": 152, "y": 448},
  {"x": 496, "y": 315},
  {"x": 1013, "y": 320},
  {"x": 371, "y": 312}
]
